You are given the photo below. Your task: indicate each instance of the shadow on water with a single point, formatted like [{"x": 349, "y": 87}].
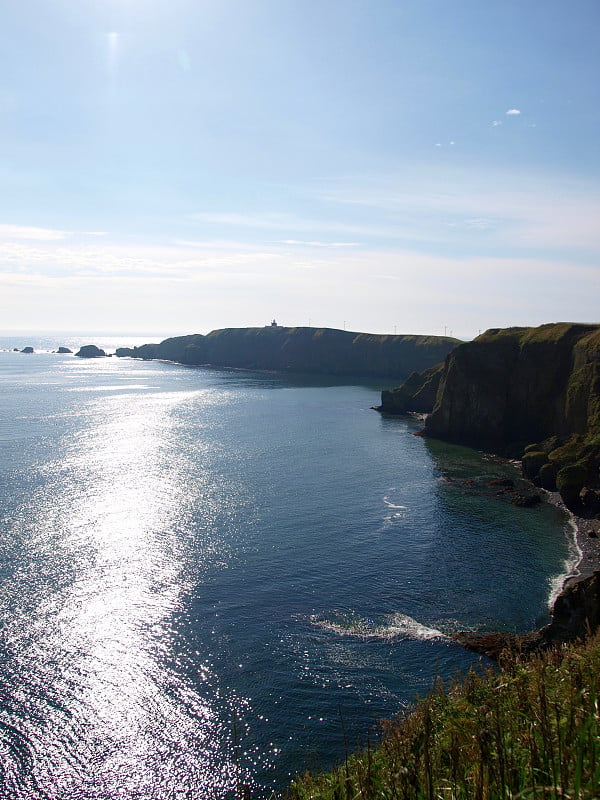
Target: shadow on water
[{"x": 285, "y": 380}]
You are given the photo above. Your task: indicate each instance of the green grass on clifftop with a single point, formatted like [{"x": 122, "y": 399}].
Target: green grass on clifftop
[
  {"x": 550, "y": 333},
  {"x": 529, "y": 730}
]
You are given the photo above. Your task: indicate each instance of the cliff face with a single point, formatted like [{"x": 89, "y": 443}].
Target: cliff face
[
  {"x": 520, "y": 385},
  {"x": 418, "y": 393},
  {"x": 532, "y": 393},
  {"x": 184, "y": 349},
  {"x": 576, "y": 611},
  {"x": 311, "y": 350}
]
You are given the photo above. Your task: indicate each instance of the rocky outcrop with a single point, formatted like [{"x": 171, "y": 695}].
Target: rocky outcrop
[
  {"x": 417, "y": 394},
  {"x": 523, "y": 392},
  {"x": 576, "y": 612},
  {"x": 27, "y": 350},
  {"x": 64, "y": 350},
  {"x": 575, "y": 616},
  {"x": 189, "y": 349},
  {"x": 520, "y": 385},
  {"x": 90, "y": 351},
  {"x": 323, "y": 351}
]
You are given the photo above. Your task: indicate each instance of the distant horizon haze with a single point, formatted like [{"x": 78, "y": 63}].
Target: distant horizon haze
[{"x": 149, "y": 337}]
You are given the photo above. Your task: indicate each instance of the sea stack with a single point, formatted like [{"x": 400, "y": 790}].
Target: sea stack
[{"x": 90, "y": 351}]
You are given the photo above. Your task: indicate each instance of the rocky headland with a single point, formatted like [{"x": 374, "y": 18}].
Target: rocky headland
[
  {"x": 532, "y": 394},
  {"x": 320, "y": 351}
]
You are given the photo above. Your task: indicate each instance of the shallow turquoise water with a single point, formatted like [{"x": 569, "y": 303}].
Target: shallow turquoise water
[{"x": 204, "y": 571}]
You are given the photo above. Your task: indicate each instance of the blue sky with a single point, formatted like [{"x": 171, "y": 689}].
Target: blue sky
[{"x": 417, "y": 166}]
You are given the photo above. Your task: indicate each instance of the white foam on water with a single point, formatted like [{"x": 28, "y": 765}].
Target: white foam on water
[
  {"x": 395, "y": 626},
  {"x": 570, "y": 564},
  {"x": 389, "y": 504}
]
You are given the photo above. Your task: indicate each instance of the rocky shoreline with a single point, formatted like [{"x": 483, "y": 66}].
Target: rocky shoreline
[
  {"x": 575, "y": 611},
  {"x": 587, "y": 538},
  {"x": 531, "y": 394}
]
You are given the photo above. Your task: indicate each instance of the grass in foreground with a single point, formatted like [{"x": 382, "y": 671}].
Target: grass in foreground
[{"x": 531, "y": 730}]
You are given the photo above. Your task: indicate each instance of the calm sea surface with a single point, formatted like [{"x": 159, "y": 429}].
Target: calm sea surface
[{"x": 204, "y": 572}]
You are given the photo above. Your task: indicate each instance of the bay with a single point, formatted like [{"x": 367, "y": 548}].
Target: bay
[{"x": 214, "y": 577}]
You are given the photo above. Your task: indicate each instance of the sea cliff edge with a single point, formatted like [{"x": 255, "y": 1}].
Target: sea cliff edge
[
  {"x": 320, "y": 351},
  {"x": 531, "y": 394}
]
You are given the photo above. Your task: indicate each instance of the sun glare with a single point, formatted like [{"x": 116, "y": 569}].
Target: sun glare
[{"x": 113, "y": 53}]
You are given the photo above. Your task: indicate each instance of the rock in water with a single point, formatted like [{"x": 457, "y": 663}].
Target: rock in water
[{"x": 90, "y": 351}]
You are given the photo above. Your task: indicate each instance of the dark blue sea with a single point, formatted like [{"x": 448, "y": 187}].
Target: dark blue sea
[{"x": 214, "y": 577}]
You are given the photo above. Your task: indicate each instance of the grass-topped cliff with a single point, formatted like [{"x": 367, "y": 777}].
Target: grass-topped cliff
[
  {"x": 323, "y": 351},
  {"x": 531, "y": 392},
  {"x": 530, "y": 730},
  {"x": 519, "y": 385}
]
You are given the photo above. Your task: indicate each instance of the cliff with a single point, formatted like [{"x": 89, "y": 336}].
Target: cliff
[
  {"x": 183, "y": 349},
  {"x": 418, "y": 393},
  {"x": 520, "y": 385},
  {"x": 530, "y": 393},
  {"x": 324, "y": 351}
]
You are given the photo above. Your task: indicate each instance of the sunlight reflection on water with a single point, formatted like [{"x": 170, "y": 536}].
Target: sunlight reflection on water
[
  {"x": 110, "y": 570},
  {"x": 168, "y": 538}
]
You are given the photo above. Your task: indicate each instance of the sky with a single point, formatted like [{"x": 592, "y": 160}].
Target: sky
[{"x": 392, "y": 166}]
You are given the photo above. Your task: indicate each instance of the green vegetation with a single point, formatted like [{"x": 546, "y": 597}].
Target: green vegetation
[
  {"x": 567, "y": 452},
  {"x": 547, "y": 476},
  {"x": 550, "y": 333},
  {"x": 513, "y": 386},
  {"x": 320, "y": 351},
  {"x": 529, "y": 730},
  {"x": 533, "y": 461},
  {"x": 417, "y": 393},
  {"x": 566, "y": 466},
  {"x": 570, "y": 480}
]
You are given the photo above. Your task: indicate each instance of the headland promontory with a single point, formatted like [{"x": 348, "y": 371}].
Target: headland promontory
[{"x": 319, "y": 351}]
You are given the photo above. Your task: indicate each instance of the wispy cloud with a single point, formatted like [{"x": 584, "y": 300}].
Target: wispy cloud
[
  {"x": 206, "y": 288},
  {"x": 318, "y": 244},
  {"x": 291, "y": 224},
  {"x": 266, "y": 220},
  {"x": 513, "y": 112},
  {"x": 479, "y": 223},
  {"x": 515, "y": 209},
  {"x": 133, "y": 260},
  {"x": 26, "y": 232}
]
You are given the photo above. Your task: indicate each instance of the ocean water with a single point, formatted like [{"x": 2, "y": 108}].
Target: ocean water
[{"x": 212, "y": 577}]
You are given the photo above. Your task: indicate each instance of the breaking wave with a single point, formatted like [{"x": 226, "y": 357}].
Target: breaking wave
[
  {"x": 395, "y": 626},
  {"x": 389, "y": 504}
]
